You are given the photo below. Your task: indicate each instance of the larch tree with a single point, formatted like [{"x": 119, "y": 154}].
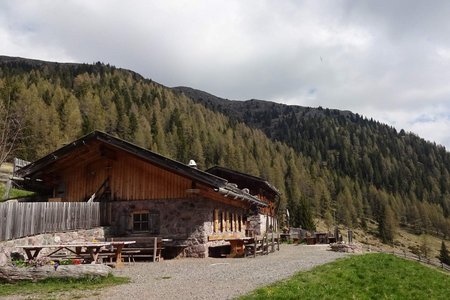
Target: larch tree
[
  {"x": 10, "y": 128},
  {"x": 387, "y": 224}
]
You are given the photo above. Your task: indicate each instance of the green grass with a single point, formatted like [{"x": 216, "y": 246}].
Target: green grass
[
  {"x": 55, "y": 288},
  {"x": 370, "y": 276},
  {"x": 14, "y": 193}
]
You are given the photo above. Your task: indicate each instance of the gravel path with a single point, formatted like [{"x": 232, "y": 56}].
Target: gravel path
[{"x": 215, "y": 278}]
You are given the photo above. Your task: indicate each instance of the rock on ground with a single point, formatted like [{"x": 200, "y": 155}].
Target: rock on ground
[{"x": 14, "y": 274}]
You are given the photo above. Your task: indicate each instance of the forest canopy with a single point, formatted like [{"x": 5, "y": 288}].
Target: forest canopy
[{"x": 327, "y": 164}]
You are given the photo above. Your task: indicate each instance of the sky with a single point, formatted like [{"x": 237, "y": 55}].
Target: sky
[{"x": 387, "y": 59}]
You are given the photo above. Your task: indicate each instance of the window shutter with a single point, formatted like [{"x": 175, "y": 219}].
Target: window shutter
[
  {"x": 233, "y": 222},
  {"x": 222, "y": 222},
  {"x": 216, "y": 220}
]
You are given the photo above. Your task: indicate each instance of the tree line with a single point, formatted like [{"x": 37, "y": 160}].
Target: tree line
[{"x": 344, "y": 169}]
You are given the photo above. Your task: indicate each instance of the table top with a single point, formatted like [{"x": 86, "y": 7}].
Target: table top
[
  {"x": 245, "y": 238},
  {"x": 121, "y": 242},
  {"x": 86, "y": 244}
]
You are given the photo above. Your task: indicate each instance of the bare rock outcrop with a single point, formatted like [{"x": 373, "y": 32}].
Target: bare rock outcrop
[{"x": 348, "y": 248}]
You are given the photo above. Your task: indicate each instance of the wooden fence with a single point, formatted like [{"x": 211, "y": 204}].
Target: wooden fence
[
  {"x": 24, "y": 219},
  {"x": 411, "y": 256}
]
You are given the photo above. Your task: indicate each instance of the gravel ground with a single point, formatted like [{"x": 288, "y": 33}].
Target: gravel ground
[{"x": 215, "y": 278}]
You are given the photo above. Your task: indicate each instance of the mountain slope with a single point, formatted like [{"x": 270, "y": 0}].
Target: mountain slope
[
  {"x": 325, "y": 162},
  {"x": 370, "y": 153}
]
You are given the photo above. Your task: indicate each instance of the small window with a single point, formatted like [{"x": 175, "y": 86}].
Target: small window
[
  {"x": 146, "y": 221},
  {"x": 140, "y": 222}
]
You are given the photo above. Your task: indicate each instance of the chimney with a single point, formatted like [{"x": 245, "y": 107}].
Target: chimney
[{"x": 192, "y": 164}]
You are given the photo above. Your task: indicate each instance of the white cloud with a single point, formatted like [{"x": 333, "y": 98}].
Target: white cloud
[{"x": 384, "y": 59}]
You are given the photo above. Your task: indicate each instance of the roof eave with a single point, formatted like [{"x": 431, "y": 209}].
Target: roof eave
[
  {"x": 238, "y": 194},
  {"x": 164, "y": 162}
]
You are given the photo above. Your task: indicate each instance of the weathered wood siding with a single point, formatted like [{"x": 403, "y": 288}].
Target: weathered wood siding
[
  {"x": 133, "y": 179},
  {"x": 23, "y": 219},
  {"x": 81, "y": 182},
  {"x": 130, "y": 179}
]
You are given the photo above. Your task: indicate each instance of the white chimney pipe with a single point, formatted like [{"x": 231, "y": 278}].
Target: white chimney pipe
[{"x": 192, "y": 164}]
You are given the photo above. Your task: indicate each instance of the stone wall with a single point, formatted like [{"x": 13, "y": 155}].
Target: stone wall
[
  {"x": 260, "y": 223},
  {"x": 187, "y": 221},
  {"x": 7, "y": 247}
]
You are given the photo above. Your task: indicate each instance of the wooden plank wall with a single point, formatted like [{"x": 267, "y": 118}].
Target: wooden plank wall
[
  {"x": 134, "y": 179},
  {"x": 131, "y": 178},
  {"x": 24, "y": 219}
]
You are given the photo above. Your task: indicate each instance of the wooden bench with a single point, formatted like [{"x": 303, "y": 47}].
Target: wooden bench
[
  {"x": 109, "y": 255},
  {"x": 69, "y": 255},
  {"x": 146, "y": 252},
  {"x": 145, "y": 247}
]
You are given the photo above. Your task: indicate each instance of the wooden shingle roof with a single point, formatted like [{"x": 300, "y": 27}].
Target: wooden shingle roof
[{"x": 221, "y": 185}]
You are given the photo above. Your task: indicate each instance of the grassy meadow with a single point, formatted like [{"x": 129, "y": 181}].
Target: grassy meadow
[
  {"x": 60, "y": 288},
  {"x": 5, "y": 172},
  {"x": 14, "y": 193},
  {"x": 370, "y": 276}
]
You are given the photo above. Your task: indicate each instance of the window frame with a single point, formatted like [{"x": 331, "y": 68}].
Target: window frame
[{"x": 152, "y": 221}]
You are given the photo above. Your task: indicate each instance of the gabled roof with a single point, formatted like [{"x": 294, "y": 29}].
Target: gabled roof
[
  {"x": 219, "y": 184},
  {"x": 236, "y": 175}
]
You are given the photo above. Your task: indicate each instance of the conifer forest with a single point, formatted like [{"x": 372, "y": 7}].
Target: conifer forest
[{"x": 329, "y": 164}]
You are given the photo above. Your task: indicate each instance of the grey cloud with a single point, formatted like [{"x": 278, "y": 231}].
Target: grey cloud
[{"x": 379, "y": 58}]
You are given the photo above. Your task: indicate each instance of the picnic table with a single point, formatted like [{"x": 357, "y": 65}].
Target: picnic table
[
  {"x": 118, "y": 246},
  {"x": 237, "y": 248},
  {"x": 92, "y": 249}
]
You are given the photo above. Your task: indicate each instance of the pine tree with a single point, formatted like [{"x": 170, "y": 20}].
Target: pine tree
[
  {"x": 304, "y": 216},
  {"x": 444, "y": 256}
]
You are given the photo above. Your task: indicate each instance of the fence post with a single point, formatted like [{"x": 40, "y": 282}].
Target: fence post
[
  {"x": 273, "y": 245},
  {"x": 254, "y": 248},
  {"x": 278, "y": 241}
]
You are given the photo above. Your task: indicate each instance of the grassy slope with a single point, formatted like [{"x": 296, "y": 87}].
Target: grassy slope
[
  {"x": 403, "y": 240},
  {"x": 59, "y": 288},
  {"x": 370, "y": 276},
  {"x": 14, "y": 193},
  {"x": 5, "y": 172}
]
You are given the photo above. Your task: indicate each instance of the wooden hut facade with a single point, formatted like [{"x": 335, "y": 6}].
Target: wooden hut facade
[
  {"x": 145, "y": 194},
  {"x": 264, "y": 217}
]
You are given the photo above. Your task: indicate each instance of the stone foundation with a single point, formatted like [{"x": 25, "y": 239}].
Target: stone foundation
[
  {"x": 188, "y": 222},
  {"x": 7, "y": 247}
]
